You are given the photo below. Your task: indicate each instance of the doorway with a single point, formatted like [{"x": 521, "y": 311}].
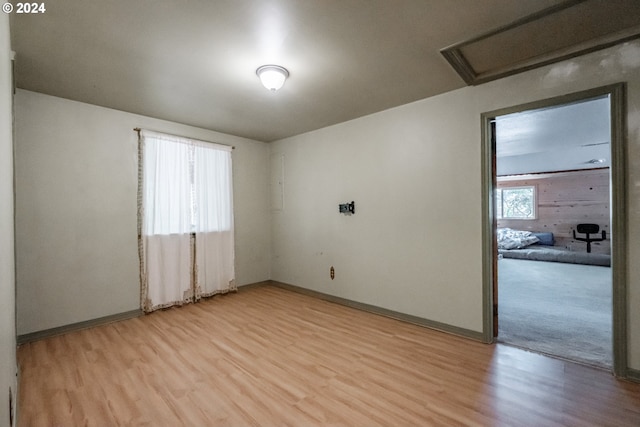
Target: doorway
[{"x": 561, "y": 229}]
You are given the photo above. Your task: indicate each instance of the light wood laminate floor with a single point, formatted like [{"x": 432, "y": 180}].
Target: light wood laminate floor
[{"x": 268, "y": 356}]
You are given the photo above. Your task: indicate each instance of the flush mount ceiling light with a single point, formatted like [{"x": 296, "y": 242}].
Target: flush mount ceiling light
[
  {"x": 596, "y": 161},
  {"x": 272, "y": 76}
]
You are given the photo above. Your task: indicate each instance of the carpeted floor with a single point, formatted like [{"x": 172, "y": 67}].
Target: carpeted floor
[{"x": 556, "y": 308}]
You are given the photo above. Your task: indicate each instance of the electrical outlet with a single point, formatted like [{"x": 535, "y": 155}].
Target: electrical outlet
[{"x": 332, "y": 272}]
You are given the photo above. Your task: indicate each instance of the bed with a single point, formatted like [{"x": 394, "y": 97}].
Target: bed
[{"x": 540, "y": 247}]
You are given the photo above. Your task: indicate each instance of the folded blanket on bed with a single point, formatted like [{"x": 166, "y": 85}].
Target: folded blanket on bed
[{"x": 515, "y": 239}]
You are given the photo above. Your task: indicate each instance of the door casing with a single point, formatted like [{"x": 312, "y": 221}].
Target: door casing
[{"x": 617, "y": 94}]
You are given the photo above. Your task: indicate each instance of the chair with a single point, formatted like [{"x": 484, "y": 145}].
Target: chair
[{"x": 589, "y": 229}]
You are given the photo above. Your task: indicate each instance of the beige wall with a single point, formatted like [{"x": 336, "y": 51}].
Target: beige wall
[
  {"x": 76, "y": 184},
  {"x": 7, "y": 277},
  {"x": 414, "y": 244}
]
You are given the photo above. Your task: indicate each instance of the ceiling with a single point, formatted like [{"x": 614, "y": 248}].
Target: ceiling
[
  {"x": 562, "y": 138},
  {"x": 194, "y": 62}
]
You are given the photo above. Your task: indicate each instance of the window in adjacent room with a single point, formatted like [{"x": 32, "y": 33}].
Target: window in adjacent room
[{"x": 516, "y": 202}]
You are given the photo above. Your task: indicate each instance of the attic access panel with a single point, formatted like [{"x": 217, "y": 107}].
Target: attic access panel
[{"x": 572, "y": 28}]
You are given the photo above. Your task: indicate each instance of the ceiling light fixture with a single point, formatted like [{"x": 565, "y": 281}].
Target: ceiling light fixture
[
  {"x": 272, "y": 76},
  {"x": 596, "y": 161}
]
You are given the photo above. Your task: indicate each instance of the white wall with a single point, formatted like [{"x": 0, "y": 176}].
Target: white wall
[
  {"x": 7, "y": 275},
  {"x": 414, "y": 244},
  {"x": 76, "y": 184}
]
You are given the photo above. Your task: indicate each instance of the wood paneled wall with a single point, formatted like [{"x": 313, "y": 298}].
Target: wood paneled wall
[{"x": 565, "y": 199}]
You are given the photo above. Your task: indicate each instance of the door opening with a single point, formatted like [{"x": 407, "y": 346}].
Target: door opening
[{"x": 537, "y": 189}]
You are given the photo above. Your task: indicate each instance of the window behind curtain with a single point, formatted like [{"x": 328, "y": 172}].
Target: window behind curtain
[{"x": 187, "y": 186}]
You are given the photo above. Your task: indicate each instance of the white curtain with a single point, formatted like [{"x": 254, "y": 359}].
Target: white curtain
[
  {"x": 214, "y": 221},
  {"x": 185, "y": 227}
]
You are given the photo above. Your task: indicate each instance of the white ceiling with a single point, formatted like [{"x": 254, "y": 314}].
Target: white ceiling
[
  {"x": 194, "y": 61},
  {"x": 568, "y": 137}
]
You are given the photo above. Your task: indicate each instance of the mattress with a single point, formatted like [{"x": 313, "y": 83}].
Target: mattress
[{"x": 556, "y": 254}]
